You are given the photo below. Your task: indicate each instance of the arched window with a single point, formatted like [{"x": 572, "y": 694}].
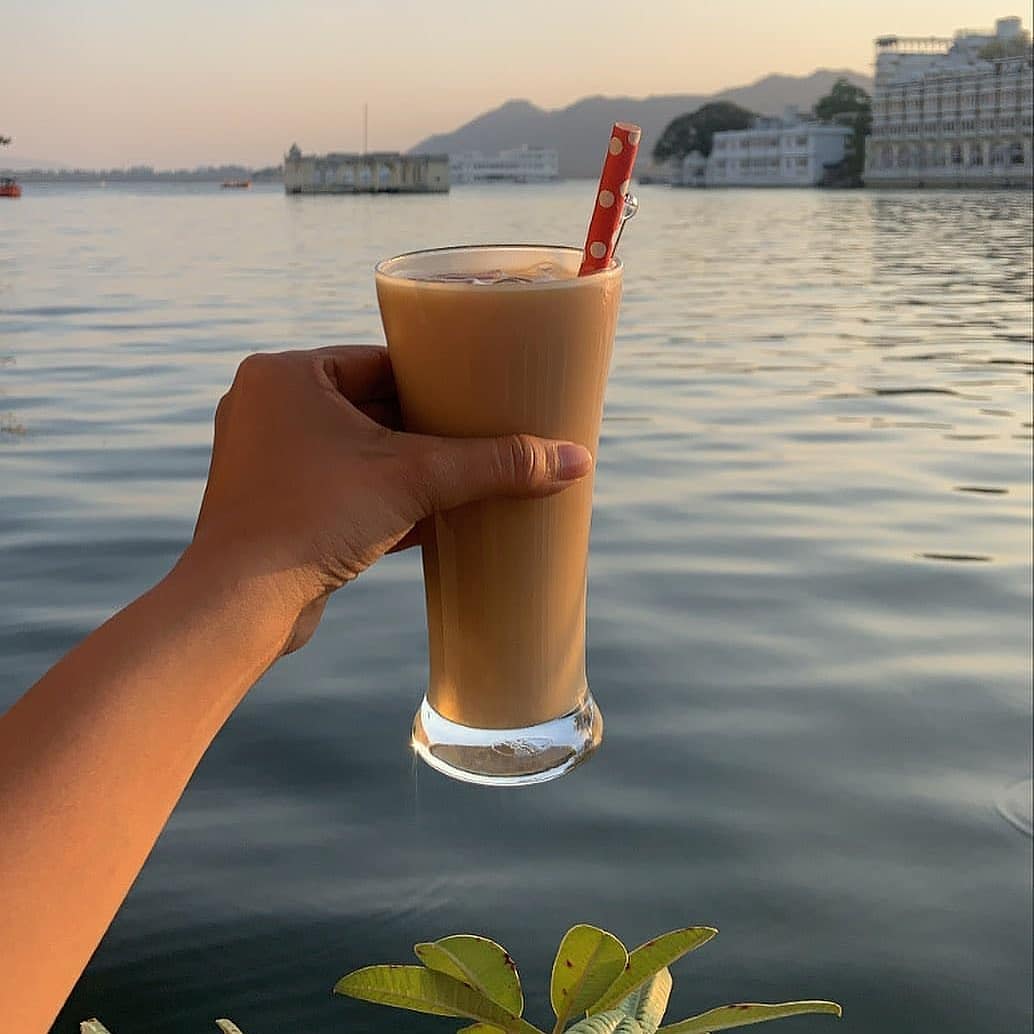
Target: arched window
[
  {"x": 998, "y": 154},
  {"x": 1016, "y": 156},
  {"x": 956, "y": 154},
  {"x": 886, "y": 157},
  {"x": 976, "y": 154}
]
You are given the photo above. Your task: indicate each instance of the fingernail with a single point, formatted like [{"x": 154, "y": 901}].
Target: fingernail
[{"x": 573, "y": 461}]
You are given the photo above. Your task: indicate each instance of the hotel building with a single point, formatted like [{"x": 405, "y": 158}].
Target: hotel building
[
  {"x": 515, "y": 165},
  {"x": 953, "y": 112},
  {"x": 786, "y": 152}
]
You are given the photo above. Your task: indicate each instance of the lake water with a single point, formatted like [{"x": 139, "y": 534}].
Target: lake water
[{"x": 809, "y": 598}]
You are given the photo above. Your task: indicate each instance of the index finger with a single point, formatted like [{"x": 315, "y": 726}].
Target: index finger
[{"x": 362, "y": 373}]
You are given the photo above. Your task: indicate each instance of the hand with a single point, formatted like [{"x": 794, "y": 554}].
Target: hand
[{"x": 310, "y": 482}]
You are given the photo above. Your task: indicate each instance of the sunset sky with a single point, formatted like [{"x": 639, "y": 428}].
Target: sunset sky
[{"x": 111, "y": 83}]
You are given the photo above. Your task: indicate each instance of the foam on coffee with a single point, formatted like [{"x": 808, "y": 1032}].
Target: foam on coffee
[{"x": 542, "y": 272}]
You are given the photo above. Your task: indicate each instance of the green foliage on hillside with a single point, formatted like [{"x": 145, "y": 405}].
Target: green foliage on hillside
[{"x": 695, "y": 131}]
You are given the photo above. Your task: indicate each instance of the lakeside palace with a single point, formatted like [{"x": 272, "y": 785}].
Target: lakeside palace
[
  {"x": 386, "y": 172},
  {"x": 953, "y": 112}
]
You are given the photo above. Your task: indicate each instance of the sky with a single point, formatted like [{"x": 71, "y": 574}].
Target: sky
[{"x": 112, "y": 83}]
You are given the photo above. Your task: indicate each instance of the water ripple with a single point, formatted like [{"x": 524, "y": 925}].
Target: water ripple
[{"x": 809, "y": 607}]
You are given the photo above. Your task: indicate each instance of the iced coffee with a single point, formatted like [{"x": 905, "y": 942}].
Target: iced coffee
[{"x": 489, "y": 341}]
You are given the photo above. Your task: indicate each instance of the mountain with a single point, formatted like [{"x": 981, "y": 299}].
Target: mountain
[{"x": 579, "y": 130}]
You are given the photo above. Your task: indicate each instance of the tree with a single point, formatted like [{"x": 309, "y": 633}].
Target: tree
[
  {"x": 844, "y": 98},
  {"x": 695, "y": 131},
  {"x": 849, "y": 105},
  {"x": 4, "y": 140}
]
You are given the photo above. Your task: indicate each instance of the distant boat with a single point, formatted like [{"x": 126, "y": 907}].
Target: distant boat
[
  {"x": 9, "y": 188},
  {"x": 236, "y": 184}
]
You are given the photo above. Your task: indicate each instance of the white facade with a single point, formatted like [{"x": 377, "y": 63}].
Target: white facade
[
  {"x": 665, "y": 172},
  {"x": 692, "y": 172},
  {"x": 375, "y": 173},
  {"x": 953, "y": 112},
  {"x": 516, "y": 165},
  {"x": 776, "y": 153}
]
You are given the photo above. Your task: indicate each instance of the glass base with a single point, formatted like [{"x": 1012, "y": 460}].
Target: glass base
[{"x": 507, "y": 757}]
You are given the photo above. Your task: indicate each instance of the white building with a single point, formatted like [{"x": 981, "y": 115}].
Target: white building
[
  {"x": 374, "y": 173},
  {"x": 692, "y": 172},
  {"x": 515, "y": 165},
  {"x": 953, "y": 112},
  {"x": 667, "y": 172},
  {"x": 786, "y": 152}
]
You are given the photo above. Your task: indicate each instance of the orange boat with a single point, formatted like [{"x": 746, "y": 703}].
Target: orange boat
[
  {"x": 236, "y": 184},
  {"x": 9, "y": 188}
]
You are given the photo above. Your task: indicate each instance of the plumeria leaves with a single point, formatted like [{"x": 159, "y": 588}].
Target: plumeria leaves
[
  {"x": 425, "y": 990},
  {"x": 479, "y": 962},
  {"x": 475, "y": 979},
  {"x": 587, "y": 962},
  {"x": 728, "y": 1016},
  {"x": 649, "y": 958},
  {"x": 613, "y": 1022},
  {"x": 640, "y": 1013},
  {"x": 647, "y": 1003},
  {"x": 620, "y": 992}
]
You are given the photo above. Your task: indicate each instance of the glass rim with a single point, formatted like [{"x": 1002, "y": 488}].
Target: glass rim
[{"x": 380, "y": 271}]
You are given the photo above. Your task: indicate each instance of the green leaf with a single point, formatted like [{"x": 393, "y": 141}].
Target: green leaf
[
  {"x": 649, "y": 958},
  {"x": 228, "y": 1027},
  {"x": 647, "y": 1003},
  {"x": 93, "y": 1027},
  {"x": 612, "y": 1022},
  {"x": 481, "y": 1028},
  {"x": 424, "y": 990},
  {"x": 479, "y": 962},
  {"x": 728, "y": 1016},
  {"x": 587, "y": 963},
  {"x": 631, "y": 1026}
]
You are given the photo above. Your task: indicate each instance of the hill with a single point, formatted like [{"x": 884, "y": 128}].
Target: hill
[{"x": 577, "y": 130}]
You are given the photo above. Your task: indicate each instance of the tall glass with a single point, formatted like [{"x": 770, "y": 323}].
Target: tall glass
[{"x": 507, "y": 702}]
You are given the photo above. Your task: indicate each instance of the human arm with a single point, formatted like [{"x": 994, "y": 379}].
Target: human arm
[{"x": 308, "y": 486}]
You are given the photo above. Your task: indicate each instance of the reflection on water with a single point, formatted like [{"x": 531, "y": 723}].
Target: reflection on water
[{"x": 809, "y": 604}]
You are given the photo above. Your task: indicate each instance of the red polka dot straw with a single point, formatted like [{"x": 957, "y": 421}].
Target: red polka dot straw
[{"x": 615, "y": 183}]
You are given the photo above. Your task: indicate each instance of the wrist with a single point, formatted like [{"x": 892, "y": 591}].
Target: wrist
[{"x": 267, "y": 599}]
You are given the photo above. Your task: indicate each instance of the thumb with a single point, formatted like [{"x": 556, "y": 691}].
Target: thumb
[{"x": 462, "y": 470}]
